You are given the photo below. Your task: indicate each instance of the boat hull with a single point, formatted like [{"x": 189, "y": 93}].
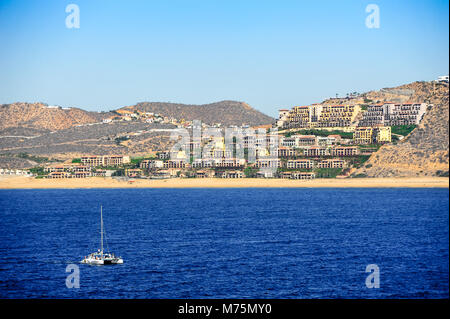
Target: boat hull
[{"x": 105, "y": 261}]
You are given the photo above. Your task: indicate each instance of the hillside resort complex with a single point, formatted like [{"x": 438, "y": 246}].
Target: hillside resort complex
[{"x": 305, "y": 142}]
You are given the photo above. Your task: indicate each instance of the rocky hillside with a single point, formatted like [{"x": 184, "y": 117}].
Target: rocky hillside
[
  {"x": 224, "y": 112},
  {"x": 425, "y": 151},
  {"x": 14, "y": 162},
  {"x": 40, "y": 116},
  {"x": 36, "y": 128},
  {"x": 100, "y": 138}
]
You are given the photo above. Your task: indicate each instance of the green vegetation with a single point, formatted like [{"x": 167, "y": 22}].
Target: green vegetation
[
  {"x": 119, "y": 172},
  {"x": 327, "y": 172},
  {"x": 38, "y": 170},
  {"x": 442, "y": 173},
  {"x": 360, "y": 175},
  {"x": 317, "y": 132},
  {"x": 364, "y": 107},
  {"x": 34, "y": 158},
  {"x": 250, "y": 171},
  {"x": 358, "y": 161},
  {"x": 76, "y": 160},
  {"x": 402, "y": 129},
  {"x": 120, "y": 139},
  {"x": 136, "y": 161}
]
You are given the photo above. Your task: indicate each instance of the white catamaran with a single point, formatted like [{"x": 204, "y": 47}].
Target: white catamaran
[{"x": 100, "y": 257}]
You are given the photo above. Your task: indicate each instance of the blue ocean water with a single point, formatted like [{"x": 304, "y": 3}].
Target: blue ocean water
[{"x": 226, "y": 243}]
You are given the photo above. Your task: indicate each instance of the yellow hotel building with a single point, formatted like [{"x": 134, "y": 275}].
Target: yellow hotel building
[
  {"x": 318, "y": 115},
  {"x": 371, "y": 135}
]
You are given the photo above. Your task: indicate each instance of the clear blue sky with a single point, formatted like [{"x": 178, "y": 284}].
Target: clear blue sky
[{"x": 270, "y": 54}]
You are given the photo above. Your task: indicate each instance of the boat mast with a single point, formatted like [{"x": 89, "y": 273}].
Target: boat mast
[{"x": 101, "y": 229}]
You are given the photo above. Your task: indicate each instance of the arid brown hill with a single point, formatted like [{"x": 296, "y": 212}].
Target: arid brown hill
[
  {"x": 424, "y": 152},
  {"x": 224, "y": 112},
  {"x": 40, "y": 116}
]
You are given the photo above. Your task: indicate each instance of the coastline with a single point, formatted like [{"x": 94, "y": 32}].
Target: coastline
[{"x": 21, "y": 182}]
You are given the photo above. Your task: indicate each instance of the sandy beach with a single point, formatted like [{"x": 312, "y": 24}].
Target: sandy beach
[{"x": 20, "y": 182}]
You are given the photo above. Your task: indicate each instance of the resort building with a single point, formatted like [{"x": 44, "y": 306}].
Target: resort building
[
  {"x": 383, "y": 134},
  {"x": 81, "y": 175},
  {"x": 288, "y": 142},
  {"x": 265, "y": 173},
  {"x": 268, "y": 163},
  {"x": 218, "y": 162},
  {"x": 70, "y": 168},
  {"x": 81, "y": 169},
  {"x": 133, "y": 172},
  {"x": 160, "y": 174},
  {"x": 316, "y": 151},
  {"x": 404, "y": 114},
  {"x": 318, "y": 115},
  {"x": 164, "y": 155},
  {"x": 195, "y": 146},
  {"x": 282, "y": 117},
  {"x": 175, "y": 163},
  {"x": 261, "y": 140},
  {"x": 218, "y": 153},
  {"x": 363, "y": 135},
  {"x": 6, "y": 171},
  {"x": 55, "y": 168},
  {"x": 286, "y": 152},
  {"x": 305, "y": 140},
  {"x": 391, "y": 114},
  {"x": 442, "y": 79},
  {"x": 327, "y": 140},
  {"x": 301, "y": 117},
  {"x": 300, "y": 163},
  {"x": 298, "y": 141},
  {"x": 229, "y": 162},
  {"x": 59, "y": 175},
  {"x": 204, "y": 173},
  {"x": 344, "y": 151},
  {"x": 331, "y": 163},
  {"x": 372, "y": 135},
  {"x": 150, "y": 164},
  {"x": 338, "y": 115},
  {"x": 103, "y": 172},
  {"x": 232, "y": 174},
  {"x": 105, "y": 160},
  {"x": 298, "y": 175},
  {"x": 335, "y": 138},
  {"x": 203, "y": 163}
]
